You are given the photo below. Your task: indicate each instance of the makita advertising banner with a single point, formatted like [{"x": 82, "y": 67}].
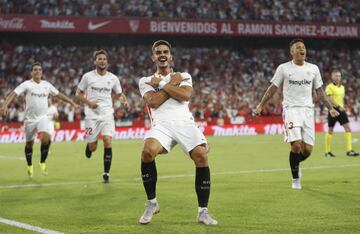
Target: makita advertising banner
[
  {"x": 19, "y": 23},
  {"x": 18, "y": 136}
]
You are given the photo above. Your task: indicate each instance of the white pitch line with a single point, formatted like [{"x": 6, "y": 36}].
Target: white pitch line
[
  {"x": 28, "y": 227},
  {"x": 17, "y": 186},
  {"x": 11, "y": 157}
]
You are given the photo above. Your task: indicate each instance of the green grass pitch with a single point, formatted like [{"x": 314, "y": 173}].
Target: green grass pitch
[{"x": 250, "y": 190}]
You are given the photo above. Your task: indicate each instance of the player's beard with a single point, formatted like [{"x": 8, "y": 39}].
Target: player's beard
[
  {"x": 101, "y": 68},
  {"x": 164, "y": 64}
]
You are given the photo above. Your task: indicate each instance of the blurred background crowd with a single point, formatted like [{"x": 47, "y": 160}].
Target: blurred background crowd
[
  {"x": 227, "y": 82},
  {"x": 330, "y": 11},
  {"x": 229, "y": 78}
]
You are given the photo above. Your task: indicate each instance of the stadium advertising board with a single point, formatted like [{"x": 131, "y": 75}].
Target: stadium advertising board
[
  {"x": 12, "y": 135},
  {"x": 19, "y": 23},
  {"x": 7, "y": 137}
]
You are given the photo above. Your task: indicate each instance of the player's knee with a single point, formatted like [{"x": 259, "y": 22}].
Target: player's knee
[
  {"x": 45, "y": 141},
  {"x": 148, "y": 154},
  {"x": 107, "y": 142},
  {"x": 296, "y": 147},
  {"x": 199, "y": 156},
  {"x": 347, "y": 128},
  {"x": 92, "y": 146},
  {"x": 29, "y": 144},
  {"x": 307, "y": 150},
  {"x": 44, "y": 138}
]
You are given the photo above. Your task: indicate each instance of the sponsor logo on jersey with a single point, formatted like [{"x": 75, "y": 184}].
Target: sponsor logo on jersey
[
  {"x": 300, "y": 82},
  {"x": 39, "y": 95},
  {"x": 101, "y": 90}
]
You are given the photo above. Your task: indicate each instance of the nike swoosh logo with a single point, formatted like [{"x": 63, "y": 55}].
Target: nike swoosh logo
[{"x": 92, "y": 26}]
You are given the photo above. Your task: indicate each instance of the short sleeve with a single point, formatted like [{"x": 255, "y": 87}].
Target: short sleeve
[
  {"x": 187, "y": 79},
  {"x": 278, "y": 77},
  {"x": 52, "y": 90},
  {"x": 117, "y": 87},
  {"x": 329, "y": 90},
  {"x": 317, "y": 81},
  {"x": 21, "y": 88},
  {"x": 143, "y": 87},
  {"x": 83, "y": 83}
]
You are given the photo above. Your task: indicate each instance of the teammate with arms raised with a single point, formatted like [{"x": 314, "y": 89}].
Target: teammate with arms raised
[
  {"x": 167, "y": 94},
  {"x": 299, "y": 78},
  {"x": 36, "y": 120},
  {"x": 95, "y": 91},
  {"x": 336, "y": 94}
]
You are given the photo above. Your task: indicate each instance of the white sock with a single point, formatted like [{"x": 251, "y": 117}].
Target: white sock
[
  {"x": 153, "y": 200},
  {"x": 200, "y": 209}
]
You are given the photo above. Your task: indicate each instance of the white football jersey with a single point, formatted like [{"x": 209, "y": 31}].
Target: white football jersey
[
  {"x": 98, "y": 89},
  {"x": 171, "y": 109},
  {"x": 298, "y": 83},
  {"x": 37, "y": 95}
]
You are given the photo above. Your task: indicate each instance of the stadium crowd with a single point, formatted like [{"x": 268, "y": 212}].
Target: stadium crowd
[
  {"x": 227, "y": 82},
  {"x": 330, "y": 11}
]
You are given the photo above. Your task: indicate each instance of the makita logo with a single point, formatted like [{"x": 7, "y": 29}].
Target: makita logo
[
  {"x": 100, "y": 90},
  {"x": 58, "y": 24},
  {"x": 14, "y": 23},
  {"x": 39, "y": 95},
  {"x": 300, "y": 82},
  {"x": 242, "y": 130},
  {"x": 131, "y": 133}
]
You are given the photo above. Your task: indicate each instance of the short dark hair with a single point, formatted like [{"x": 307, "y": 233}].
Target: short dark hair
[
  {"x": 296, "y": 41},
  {"x": 98, "y": 52},
  {"x": 34, "y": 64},
  {"x": 160, "y": 42}
]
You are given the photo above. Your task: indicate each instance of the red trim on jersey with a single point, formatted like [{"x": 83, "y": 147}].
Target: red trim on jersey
[
  {"x": 285, "y": 127},
  {"x": 148, "y": 109}
]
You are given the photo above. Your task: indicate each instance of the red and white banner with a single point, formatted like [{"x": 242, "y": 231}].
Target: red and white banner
[
  {"x": 18, "y": 136},
  {"x": 20, "y": 23}
]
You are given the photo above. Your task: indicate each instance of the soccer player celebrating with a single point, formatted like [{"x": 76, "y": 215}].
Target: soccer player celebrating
[
  {"x": 298, "y": 78},
  {"x": 36, "y": 108},
  {"x": 336, "y": 94},
  {"x": 167, "y": 94},
  {"x": 95, "y": 90}
]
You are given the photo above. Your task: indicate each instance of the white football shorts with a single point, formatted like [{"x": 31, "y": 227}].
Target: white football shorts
[
  {"x": 94, "y": 127},
  {"x": 182, "y": 132},
  {"x": 31, "y": 127},
  {"x": 299, "y": 124}
]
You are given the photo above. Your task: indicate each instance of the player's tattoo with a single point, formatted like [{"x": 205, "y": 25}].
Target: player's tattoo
[
  {"x": 320, "y": 92},
  {"x": 269, "y": 94}
]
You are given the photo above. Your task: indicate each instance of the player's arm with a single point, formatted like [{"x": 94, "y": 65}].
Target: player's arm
[
  {"x": 155, "y": 99},
  {"x": 321, "y": 94},
  {"x": 179, "y": 93},
  {"x": 64, "y": 98},
  {"x": 175, "y": 91},
  {"x": 122, "y": 98},
  {"x": 267, "y": 96},
  {"x": 80, "y": 95},
  {"x": 8, "y": 100}
]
